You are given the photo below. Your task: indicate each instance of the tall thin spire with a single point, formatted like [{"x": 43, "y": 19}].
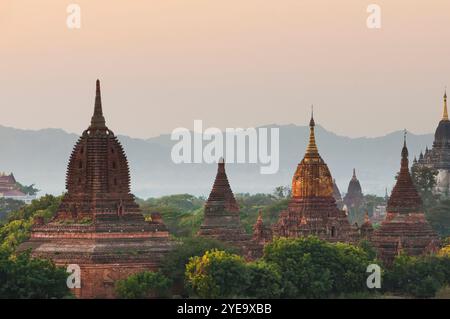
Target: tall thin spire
[
  {"x": 445, "y": 115},
  {"x": 312, "y": 147},
  {"x": 404, "y": 151},
  {"x": 354, "y": 174},
  {"x": 97, "y": 120}
]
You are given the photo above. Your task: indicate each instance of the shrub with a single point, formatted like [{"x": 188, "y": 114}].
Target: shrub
[
  {"x": 143, "y": 285},
  {"x": 217, "y": 274}
]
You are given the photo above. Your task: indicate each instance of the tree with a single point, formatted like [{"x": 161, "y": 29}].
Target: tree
[
  {"x": 30, "y": 189},
  {"x": 143, "y": 285},
  {"x": 264, "y": 280},
  {"x": 439, "y": 217},
  {"x": 424, "y": 179},
  {"x": 17, "y": 230},
  {"x": 14, "y": 233},
  {"x": 24, "y": 277},
  {"x": 8, "y": 205},
  {"x": 282, "y": 192},
  {"x": 181, "y": 213},
  {"x": 217, "y": 274},
  {"x": 420, "y": 277},
  {"x": 174, "y": 264},
  {"x": 46, "y": 206},
  {"x": 313, "y": 268}
]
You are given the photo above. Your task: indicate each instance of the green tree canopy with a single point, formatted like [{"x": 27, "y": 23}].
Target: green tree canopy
[
  {"x": 143, "y": 285},
  {"x": 419, "y": 277},
  {"x": 24, "y": 277},
  {"x": 439, "y": 217},
  {"x": 313, "y": 268},
  {"x": 217, "y": 274}
]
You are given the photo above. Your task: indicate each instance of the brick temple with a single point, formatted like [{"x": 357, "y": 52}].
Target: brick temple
[
  {"x": 337, "y": 195},
  {"x": 438, "y": 157},
  {"x": 354, "y": 200},
  {"x": 99, "y": 226},
  {"x": 222, "y": 217},
  {"x": 405, "y": 228},
  {"x": 312, "y": 209}
]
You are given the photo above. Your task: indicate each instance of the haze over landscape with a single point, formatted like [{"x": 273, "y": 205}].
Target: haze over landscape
[{"x": 43, "y": 156}]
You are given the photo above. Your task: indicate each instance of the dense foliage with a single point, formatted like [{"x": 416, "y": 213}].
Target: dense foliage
[
  {"x": 8, "y": 205},
  {"x": 313, "y": 268},
  {"x": 292, "y": 268},
  {"x": 217, "y": 274},
  {"x": 16, "y": 229},
  {"x": 183, "y": 213},
  {"x": 419, "y": 277},
  {"x": 174, "y": 264},
  {"x": 25, "y": 277},
  {"x": 142, "y": 285},
  {"x": 439, "y": 217}
]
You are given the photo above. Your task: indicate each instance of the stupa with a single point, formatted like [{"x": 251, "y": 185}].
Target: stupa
[
  {"x": 222, "y": 217},
  {"x": 98, "y": 225},
  {"x": 405, "y": 227},
  {"x": 312, "y": 209}
]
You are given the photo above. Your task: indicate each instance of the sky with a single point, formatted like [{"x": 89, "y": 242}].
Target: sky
[{"x": 231, "y": 63}]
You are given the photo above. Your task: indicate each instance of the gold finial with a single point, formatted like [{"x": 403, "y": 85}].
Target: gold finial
[
  {"x": 445, "y": 115},
  {"x": 312, "y": 147}
]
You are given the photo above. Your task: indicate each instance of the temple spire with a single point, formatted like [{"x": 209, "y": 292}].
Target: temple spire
[
  {"x": 312, "y": 147},
  {"x": 354, "y": 174},
  {"x": 404, "y": 152},
  {"x": 97, "y": 120},
  {"x": 445, "y": 115}
]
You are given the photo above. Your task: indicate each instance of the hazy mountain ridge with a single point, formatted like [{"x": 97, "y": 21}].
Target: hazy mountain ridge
[{"x": 41, "y": 157}]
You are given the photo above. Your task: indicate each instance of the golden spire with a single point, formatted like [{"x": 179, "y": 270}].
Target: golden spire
[
  {"x": 445, "y": 115},
  {"x": 312, "y": 147}
]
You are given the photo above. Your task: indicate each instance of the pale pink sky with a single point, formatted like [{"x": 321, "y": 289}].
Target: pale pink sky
[{"x": 231, "y": 63}]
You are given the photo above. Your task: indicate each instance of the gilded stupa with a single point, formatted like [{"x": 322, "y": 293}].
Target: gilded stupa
[{"x": 312, "y": 209}]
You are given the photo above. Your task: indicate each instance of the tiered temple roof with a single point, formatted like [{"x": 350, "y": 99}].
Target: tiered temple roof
[
  {"x": 312, "y": 209},
  {"x": 222, "y": 217},
  {"x": 261, "y": 233},
  {"x": 405, "y": 227},
  {"x": 354, "y": 200},
  {"x": 8, "y": 186},
  {"x": 99, "y": 225}
]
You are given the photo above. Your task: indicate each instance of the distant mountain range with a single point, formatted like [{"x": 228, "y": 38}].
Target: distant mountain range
[{"x": 41, "y": 156}]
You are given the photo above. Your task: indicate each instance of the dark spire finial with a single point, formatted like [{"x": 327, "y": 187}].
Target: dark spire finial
[
  {"x": 311, "y": 122},
  {"x": 445, "y": 113},
  {"x": 404, "y": 151},
  {"x": 354, "y": 173},
  {"x": 98, "y": 120}
]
